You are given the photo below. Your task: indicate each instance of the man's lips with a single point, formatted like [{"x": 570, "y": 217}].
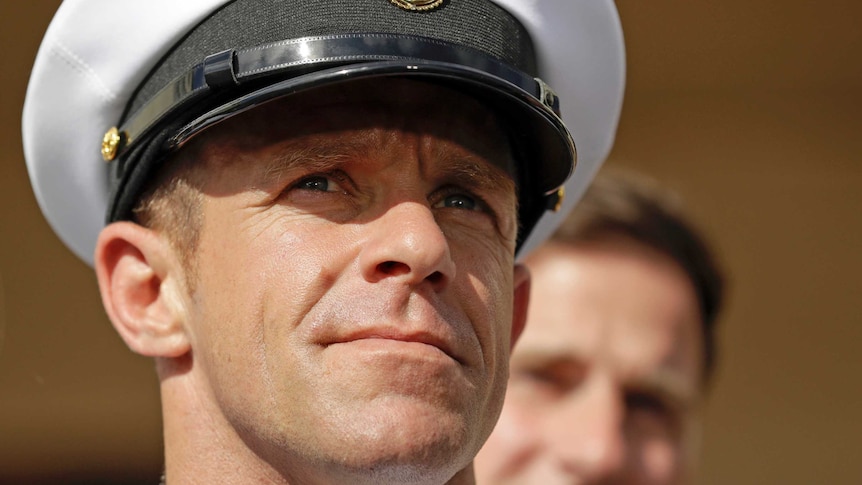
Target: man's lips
[{"x": 420, "y": 337}]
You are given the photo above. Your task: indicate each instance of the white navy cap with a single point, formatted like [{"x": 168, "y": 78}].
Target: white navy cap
[{"x": 130, "y": 82}]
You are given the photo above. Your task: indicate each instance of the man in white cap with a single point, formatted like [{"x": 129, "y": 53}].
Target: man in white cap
[{"x": 308, "y": 211}]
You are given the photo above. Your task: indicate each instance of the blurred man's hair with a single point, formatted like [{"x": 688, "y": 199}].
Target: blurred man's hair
[{"x": 630, "y": 206}]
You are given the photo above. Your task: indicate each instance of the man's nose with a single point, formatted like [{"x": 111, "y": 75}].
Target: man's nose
[
  {"x": 407, "y": 243},
  {"x": 586, "y": 433}
]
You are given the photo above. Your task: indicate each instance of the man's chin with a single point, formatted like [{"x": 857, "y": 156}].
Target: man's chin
[{"x": 408, "y": 440}]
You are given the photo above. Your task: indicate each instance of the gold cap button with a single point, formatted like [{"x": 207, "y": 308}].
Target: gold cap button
[
  {"x": 111, "y": 144},
  {"x": 561, "y": 194}
]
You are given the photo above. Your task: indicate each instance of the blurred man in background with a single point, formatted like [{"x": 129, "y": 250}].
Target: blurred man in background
[{"x": 608, "y": 376}]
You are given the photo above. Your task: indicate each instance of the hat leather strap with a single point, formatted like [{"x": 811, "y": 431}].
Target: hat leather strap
[{"x": 232, "y": 69}]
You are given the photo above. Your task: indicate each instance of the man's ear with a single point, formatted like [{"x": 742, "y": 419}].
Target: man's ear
[
  {"x": 140, "y": 281},
  {"x": 520, "y": 302}
]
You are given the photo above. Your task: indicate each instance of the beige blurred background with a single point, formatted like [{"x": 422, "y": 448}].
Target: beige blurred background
[{"x": 750, "y": 109}]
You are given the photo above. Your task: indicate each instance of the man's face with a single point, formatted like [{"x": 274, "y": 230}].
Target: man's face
[
  {"x": 353, "y": 291},
  {"x": 606, "y": 376}
]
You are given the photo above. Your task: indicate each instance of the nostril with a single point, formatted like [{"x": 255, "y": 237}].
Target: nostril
[
  {"x": 393, "y": 268},
  {"x": 436, "y": 278}
]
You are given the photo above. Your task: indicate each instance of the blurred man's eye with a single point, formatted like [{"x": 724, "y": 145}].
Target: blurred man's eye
[
  {"x": 542, "y": 377},
  {"x": 642, "y": 401},
  {"x": 556, "y": 377},
  {"x": 651, "y": 413}
]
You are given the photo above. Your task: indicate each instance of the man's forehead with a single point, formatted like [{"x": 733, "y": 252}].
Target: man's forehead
[{"x": 571, "y": 319}]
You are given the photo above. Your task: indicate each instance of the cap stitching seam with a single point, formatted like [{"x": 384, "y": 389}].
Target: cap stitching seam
[{"x": 78, "y": 64}]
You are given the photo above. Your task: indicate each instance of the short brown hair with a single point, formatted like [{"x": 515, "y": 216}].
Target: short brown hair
[
  {"x": 622, "y": 204},
  {"x": 171, "y": 204}
]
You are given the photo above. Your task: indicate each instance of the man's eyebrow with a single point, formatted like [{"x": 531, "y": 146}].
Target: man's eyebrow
[
  {"x": 478, "y": 173},
  {"x": 462, "y": 168},
  {"x": 312, "y": 157}
]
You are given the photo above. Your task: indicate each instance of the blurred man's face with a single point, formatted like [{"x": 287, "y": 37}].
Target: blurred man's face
[{"x": 606, "y": 376}]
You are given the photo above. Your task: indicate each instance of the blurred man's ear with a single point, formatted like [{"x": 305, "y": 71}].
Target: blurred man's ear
[
  {"x": 140, "y": 281},
  {"x": 520, "y": 301}
]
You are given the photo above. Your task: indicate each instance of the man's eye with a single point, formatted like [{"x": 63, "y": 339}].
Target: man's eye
[
  {"x": 538, "y": 383},
  {"x": 651, "y": 416},
  {"x": 460, "y": 201},
  {"x": 454, "y": 197},
  {"x": 559, "y": 377},
  {"x": 319, "y": 183},
  {"x": 643, "y": 402}
]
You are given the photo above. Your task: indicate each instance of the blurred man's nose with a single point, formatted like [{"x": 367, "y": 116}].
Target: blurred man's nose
[
  {"x": 585, "y": 435},
  {"x": 407, "y": 243}
]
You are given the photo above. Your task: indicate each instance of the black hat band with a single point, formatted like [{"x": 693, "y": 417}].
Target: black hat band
[{"x": 285, "y": 59}]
